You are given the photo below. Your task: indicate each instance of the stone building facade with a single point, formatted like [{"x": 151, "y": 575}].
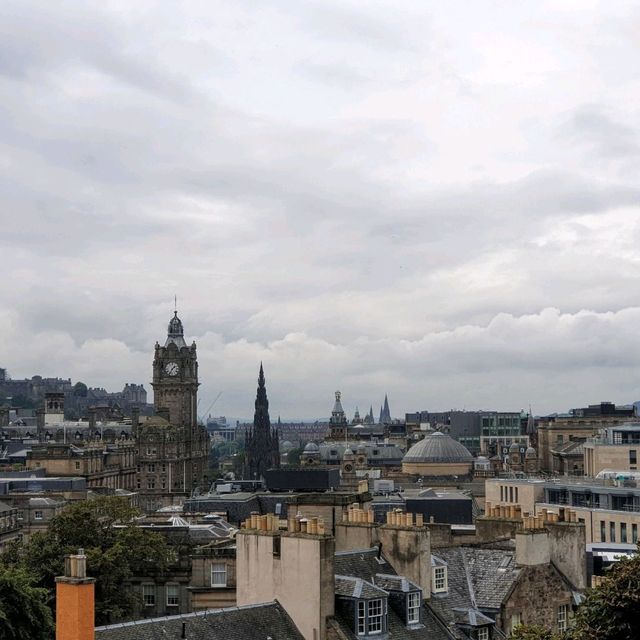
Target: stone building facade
[
  {"x": 102, "y": 464},
  {"x": 173, "y": 447}
]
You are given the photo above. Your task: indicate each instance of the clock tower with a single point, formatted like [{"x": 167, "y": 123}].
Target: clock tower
[
  {"x": 173, "y": 449},
  {"x": 175, "y": 378}
]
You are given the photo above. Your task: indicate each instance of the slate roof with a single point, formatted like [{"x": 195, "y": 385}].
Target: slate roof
[
  {"x": 5, "y": 507},
  {"x": 479, "y": 579},
  {"x": 257, "y": 622},
  {"x": 362, "y": 564},
  {"x": 395, "y": 583},
  {"x": 357, "y": 588},
  {"x": 472, "y": 617}
]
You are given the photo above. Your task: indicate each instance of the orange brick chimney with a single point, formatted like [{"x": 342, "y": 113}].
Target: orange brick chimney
[{"x": 75, "y": 600}]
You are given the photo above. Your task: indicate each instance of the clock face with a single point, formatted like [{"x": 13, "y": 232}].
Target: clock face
[{"x": 172, "y": 368}]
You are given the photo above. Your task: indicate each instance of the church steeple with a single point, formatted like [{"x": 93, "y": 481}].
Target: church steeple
[{"x": 385, "y": 413}]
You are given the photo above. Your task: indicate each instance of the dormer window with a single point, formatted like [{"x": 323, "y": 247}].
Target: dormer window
[
  {"x": 371, "y": 614},
  {"x": 413, "y": 607},
  {"x": 439, "y": 580},
  {"x": 438, "y": 575},
  {"x": 405, "y": 597},
  {"x": 363, "y": 605}
]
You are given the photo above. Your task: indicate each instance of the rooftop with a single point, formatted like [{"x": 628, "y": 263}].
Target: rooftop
[
  {"x": 255, "y": 622},
  {"x": 438, "y": 447}
]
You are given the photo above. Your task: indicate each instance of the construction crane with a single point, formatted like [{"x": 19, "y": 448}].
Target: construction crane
[{"x": 211, "y": 406}]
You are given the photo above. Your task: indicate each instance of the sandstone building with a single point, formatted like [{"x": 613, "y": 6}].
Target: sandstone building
[{"x": 172, "y": 447}]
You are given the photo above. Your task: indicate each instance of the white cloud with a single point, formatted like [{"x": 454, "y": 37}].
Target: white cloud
[{"x": 439, "y": 202}]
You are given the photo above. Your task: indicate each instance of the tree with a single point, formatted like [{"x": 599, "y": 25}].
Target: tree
[
  {"x": 116, "y": 551},
  {"x": 80, "y": 390},
  {"x": 24, "y": 614},
  {"x": 610, "y": 611},
  {"x": 533, "y": 632},
  {"x": 21, "y": 401},
  {"x": 293, "y": 457}
]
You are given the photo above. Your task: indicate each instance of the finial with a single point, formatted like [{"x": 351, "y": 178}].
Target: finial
[{"x": 175, "y": 304}]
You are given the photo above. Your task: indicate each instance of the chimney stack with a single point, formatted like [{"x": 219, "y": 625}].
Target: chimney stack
[{"x": 75, "y": 601}]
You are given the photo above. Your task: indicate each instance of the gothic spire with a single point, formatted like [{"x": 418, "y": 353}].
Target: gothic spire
[
  {"x": 385, "y": 413},
  {"x": 262, "y": 403},
  {"x": 262, "y": 450}
]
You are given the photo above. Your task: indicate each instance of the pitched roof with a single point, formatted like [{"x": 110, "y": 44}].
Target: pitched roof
[
  {"x": 365, "y": 566},
  {"x": 357, "y": 588},
  {"x": 571, "y": 448},
  {"x": 255, "y": 622},
  {"x": 479, "y": 579},
  {"x": 395, "y": 583},
  {"x": 362, "y": 564},
  {"x": 5, "y": 507}
]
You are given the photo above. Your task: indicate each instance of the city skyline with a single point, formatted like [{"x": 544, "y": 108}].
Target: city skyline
[{"x": 435, "y": 202}]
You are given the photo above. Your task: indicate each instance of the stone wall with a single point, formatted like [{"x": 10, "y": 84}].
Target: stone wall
[
  {"x": 538, "y": 593},
  {"x": 568, "y": 551},
  {"x": 408, "y": 550},
  {"x": 352, "y": 536},
  {"x": 297, "y": 569}
]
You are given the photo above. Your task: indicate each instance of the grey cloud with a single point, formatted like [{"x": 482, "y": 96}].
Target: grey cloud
[
  {"x": 593, "y": 125},
  {"x": 334, "y": 245},
  {"x": 341, "y": 22},
  {"x": 342, "y": 75}
]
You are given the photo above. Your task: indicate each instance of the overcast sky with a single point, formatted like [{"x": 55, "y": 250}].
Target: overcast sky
[{"x": 438, "y": 200}]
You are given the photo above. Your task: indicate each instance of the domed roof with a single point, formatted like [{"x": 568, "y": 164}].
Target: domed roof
[
  {"x": 531, "y": 453},
  {"x": 361, "y": 448},
  {"x": 311, "y": 447},
  {"x": 438, "y": 447},
  {"x": 514, "y": 447},
  {"x": 175, "y": 332},
  {"x": 347, "y": 452}
]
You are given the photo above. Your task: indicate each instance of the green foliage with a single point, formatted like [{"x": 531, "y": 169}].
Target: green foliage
[
  {"x": 20, "y": 401},
  {"x": 534, "y": 632},
  {"x": 24, "y": 614},
  {"x": 116, "y": 551},
  {"x": 612, "y": 610},
  {"x": 80, "y": 390},
  {"x": 293, "y": 456}
]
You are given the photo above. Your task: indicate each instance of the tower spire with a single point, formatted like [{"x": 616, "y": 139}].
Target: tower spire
[{"x": 262, "y": 447}]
